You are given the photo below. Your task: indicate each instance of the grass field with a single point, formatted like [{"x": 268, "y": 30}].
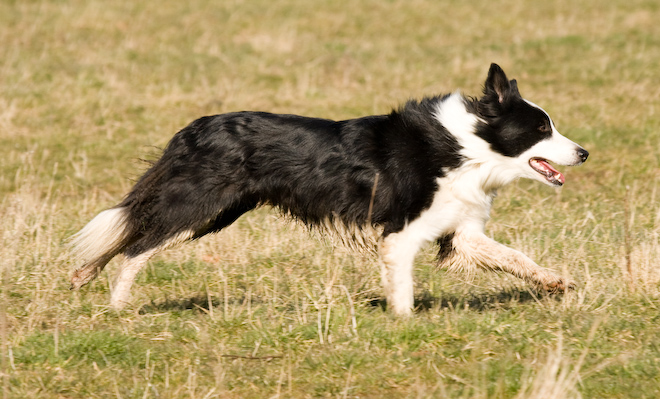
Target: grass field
[{"x": 89, "y": 88}]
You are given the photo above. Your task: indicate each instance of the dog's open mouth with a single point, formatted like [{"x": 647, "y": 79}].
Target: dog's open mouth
[{"x": 551, "y": 174}]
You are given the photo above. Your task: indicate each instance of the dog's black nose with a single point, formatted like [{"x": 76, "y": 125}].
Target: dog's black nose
[{"x": 584, "y": 154}]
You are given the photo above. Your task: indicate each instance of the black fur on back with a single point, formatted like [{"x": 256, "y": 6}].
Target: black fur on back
[{"x": 221, "y": 166}]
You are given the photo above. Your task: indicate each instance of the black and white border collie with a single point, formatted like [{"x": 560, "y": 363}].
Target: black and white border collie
[{"x": 426, "y": 172}]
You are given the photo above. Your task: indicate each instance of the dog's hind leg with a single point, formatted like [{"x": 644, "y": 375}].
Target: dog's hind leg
[
  {"x": 132, "y": 266},
  {"x": 475, "y": 249},
  {"x": 124, "y": 281},
  {"x": 139, "y": 253}
]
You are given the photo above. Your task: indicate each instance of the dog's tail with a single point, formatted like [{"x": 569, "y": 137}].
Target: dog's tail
[{"x": 99, "y": 241}]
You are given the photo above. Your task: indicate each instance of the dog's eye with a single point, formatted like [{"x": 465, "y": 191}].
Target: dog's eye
[{"x": 544, "y": 127}]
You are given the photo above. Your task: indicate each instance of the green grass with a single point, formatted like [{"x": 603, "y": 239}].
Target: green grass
[{"x": 88, "y": 89}]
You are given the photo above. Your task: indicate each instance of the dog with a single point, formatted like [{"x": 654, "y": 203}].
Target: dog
[{"x": 428, "y": 171}]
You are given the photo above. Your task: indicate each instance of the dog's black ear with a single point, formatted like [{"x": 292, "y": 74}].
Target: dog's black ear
[
  {"x": 497, "y": 84},
  {"x": 514, "y": 88}
]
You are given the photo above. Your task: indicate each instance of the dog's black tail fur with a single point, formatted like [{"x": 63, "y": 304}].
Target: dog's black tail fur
[{"x": 171, "y": 203}]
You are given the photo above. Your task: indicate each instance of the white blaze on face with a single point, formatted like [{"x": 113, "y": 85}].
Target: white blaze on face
[
  {"x": 494, "y": 169},
  {"x": 557, "y": 149}
]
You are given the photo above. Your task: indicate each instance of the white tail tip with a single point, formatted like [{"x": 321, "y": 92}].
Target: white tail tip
[{"x": 101, "y": 236}]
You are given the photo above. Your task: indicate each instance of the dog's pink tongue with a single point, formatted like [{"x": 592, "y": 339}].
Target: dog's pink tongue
[{"x": 550, "y": 173}]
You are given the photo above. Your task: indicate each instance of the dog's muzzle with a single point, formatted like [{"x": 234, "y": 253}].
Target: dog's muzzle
[{"x": 583, "y": 154}]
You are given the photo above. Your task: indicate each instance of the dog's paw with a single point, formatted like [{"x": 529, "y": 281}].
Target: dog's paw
[
  {"x": 77, "y": 280},
  {"x": 83, "y": 276},
  {"x": 558, "y": 285}
]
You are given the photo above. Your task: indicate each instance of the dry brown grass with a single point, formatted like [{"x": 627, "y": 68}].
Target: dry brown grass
[{"x": 265, "y": 310}]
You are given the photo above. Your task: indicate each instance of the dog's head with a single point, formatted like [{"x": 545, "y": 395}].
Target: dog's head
[{"x": 523, "y": 132}]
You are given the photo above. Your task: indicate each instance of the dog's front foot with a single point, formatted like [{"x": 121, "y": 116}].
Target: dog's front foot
[{"x": 557, "y": 285}]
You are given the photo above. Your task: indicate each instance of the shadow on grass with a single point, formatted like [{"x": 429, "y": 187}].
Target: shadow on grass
[
  {"x": 492, "y": 300},
  {"x": 199, "y": 303}
]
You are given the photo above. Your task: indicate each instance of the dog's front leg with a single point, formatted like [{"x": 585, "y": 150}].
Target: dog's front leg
[
  {"x": 397, "y": 254},
  {"x": 472, "y": 248}
]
